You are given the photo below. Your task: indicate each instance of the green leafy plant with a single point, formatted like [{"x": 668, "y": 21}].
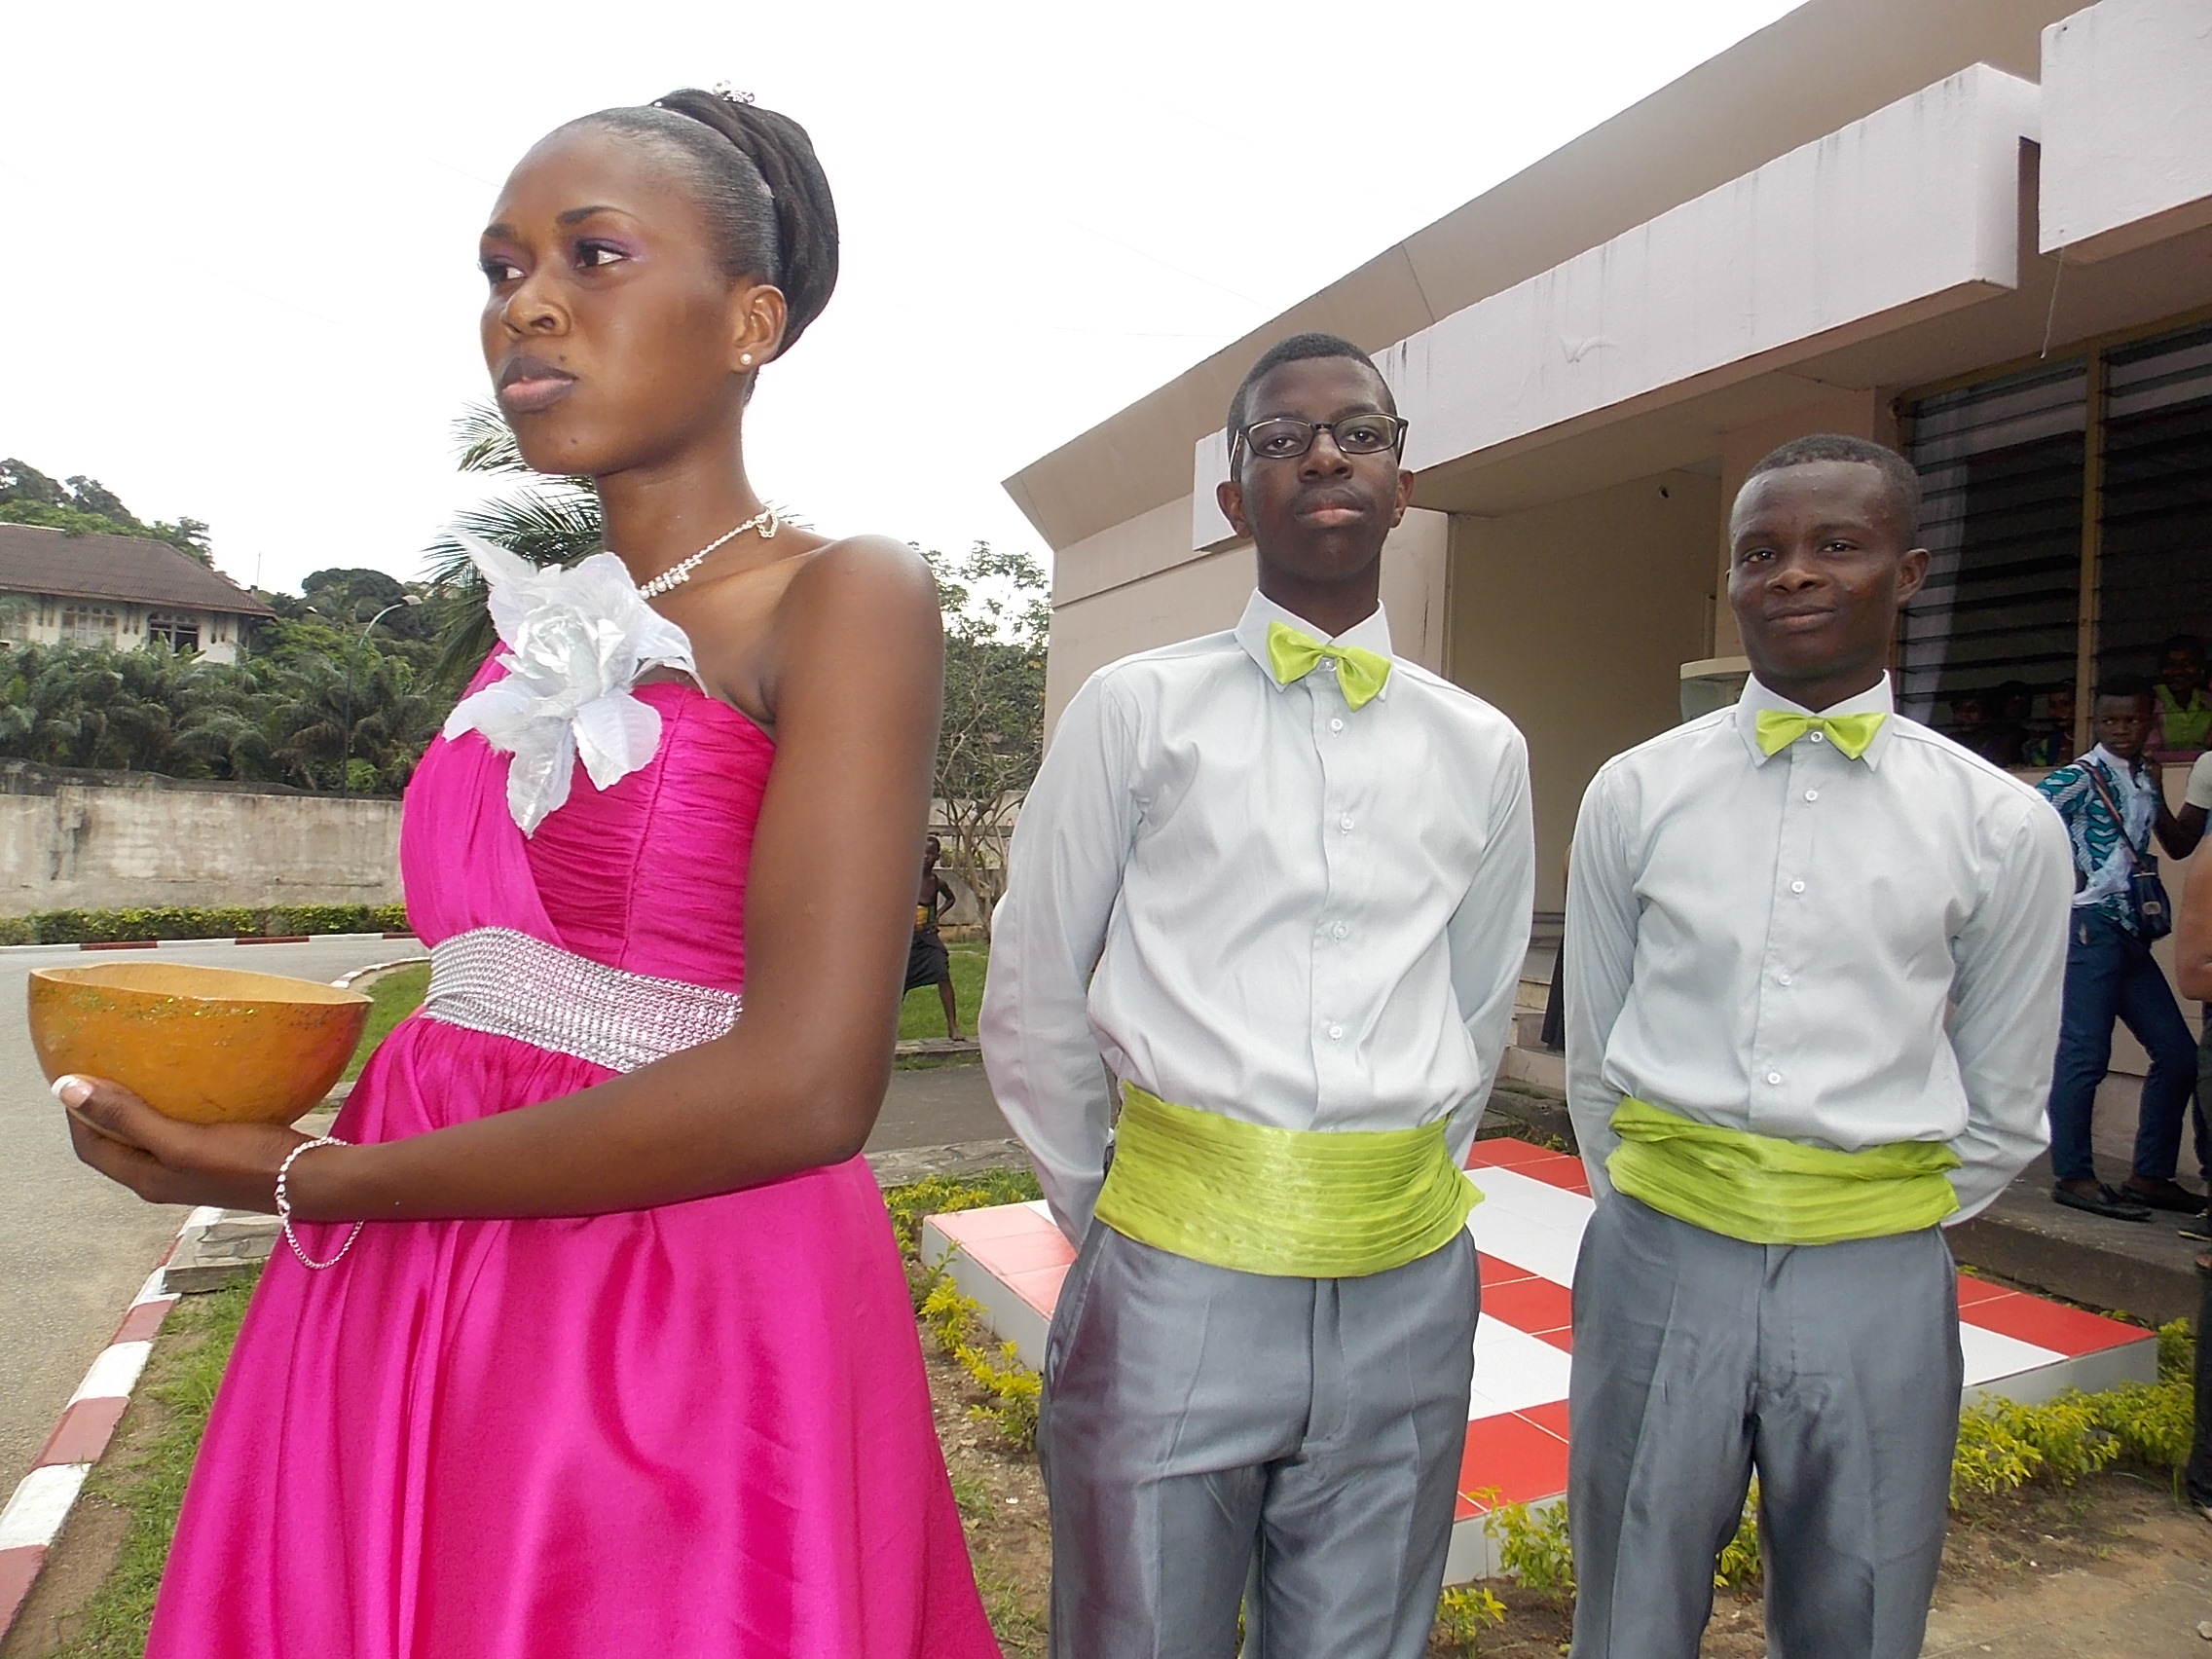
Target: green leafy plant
[
  {"x": 1533, "y": 1544},
  {"x": 1463, "y": 1614},
  {"x": 1015, "y": 1391},
  {"x": 1740, "y": 1562}
]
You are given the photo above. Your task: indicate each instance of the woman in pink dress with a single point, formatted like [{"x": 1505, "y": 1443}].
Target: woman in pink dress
[{"x": 621, "y": 1362}]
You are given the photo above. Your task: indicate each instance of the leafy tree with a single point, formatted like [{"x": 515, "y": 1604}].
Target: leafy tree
[
  {"x": 22, "y": 482},
  {"x": 85, "y": 506},
  {"x": 997, "y": 618}
]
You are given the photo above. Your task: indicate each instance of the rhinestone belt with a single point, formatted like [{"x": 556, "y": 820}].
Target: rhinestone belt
[{"x": 510, "y": 985}]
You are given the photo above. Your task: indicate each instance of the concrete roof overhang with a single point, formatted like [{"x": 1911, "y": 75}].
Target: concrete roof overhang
[{"x": 1810, "y": 73}]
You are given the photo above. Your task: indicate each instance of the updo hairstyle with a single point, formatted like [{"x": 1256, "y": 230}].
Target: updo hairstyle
[{"x": 767, "y": 202}]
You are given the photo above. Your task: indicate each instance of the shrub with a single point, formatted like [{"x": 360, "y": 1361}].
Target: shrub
[
  {"x": 222, "y": 921},
  {"x": 1014, "y": 1392}
]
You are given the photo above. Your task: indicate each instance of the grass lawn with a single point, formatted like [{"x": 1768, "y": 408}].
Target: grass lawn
[
  {"x": 393, "y": 999},
  {"x": 923, "y": 1014},
  {"x": 143, "y": 1475}
]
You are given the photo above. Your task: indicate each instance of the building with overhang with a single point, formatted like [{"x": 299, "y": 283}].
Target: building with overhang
[
  {"x": 1979, "y": 230},
  {"x": 123, "y": 592}
]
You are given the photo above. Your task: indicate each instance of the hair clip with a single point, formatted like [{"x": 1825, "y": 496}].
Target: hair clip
[{"x": 730, "y": 94}]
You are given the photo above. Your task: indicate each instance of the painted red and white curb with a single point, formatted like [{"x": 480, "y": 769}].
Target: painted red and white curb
[
  {"x": 1529, "y": 1230},
  {"x": 43, "y": 1500}
]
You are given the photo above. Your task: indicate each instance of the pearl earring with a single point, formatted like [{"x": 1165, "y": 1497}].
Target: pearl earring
[{"x": 745, "y": 360}]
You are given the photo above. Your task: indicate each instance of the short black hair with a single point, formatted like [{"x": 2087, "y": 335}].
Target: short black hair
[
  {"x": 1896, "y": 471},
  {"x": 2183, "y": 643},
  {"x": 2130, "y": 686},
  {"x": 1297, "y": 349}
]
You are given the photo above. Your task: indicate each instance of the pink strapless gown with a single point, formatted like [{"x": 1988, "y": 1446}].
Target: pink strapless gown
[{"x": 696, "y": 1431}]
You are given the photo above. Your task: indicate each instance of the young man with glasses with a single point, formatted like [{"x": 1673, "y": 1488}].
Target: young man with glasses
[
  {"x": 1814, "y": 954},
  {"x": 1269, "y": 898}
]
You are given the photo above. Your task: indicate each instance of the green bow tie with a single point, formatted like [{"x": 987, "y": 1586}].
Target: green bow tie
[
  {"x": 1779, "y": 728},
  {"x": 1293, "y": 655}
]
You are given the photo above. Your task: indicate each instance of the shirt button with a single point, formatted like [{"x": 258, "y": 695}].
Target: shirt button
[
  {"x": 1774, "y": 1076},
  {"x": 1336, "y": 725},
  {"x": 1339, "y": 930},
  {"x": 1336, "y": 1033},
  {"x": 1812, "y": 795},
  {"x": 1819, "y": 737},
  {"x": 1345, "y": 823},
  {"x": 1329, "y": 665},
  {"x": 1796, "y": 887},
  {"x": 1784, "y": 979}
]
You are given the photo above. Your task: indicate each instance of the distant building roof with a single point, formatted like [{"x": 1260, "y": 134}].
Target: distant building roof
[{"x": 127, "y": 568}]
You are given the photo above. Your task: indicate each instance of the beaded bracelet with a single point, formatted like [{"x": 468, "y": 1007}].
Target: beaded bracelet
[{"x": 284, "y": 1206}]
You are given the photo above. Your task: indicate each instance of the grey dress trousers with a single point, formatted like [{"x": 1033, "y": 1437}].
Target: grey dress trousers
[
  {"x": 1213, "y": 1438},
  {"x": 1832, "y": 1369}
]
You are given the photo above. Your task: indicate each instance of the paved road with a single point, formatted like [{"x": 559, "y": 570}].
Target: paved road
[
  {"x": 936, "y": 1107},
  {"x": 74, "y": 1249}
]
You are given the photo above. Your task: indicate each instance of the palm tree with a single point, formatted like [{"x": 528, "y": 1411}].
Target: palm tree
[{"x": 554, "y": 521}]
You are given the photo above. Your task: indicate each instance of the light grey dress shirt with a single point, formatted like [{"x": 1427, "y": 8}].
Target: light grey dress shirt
[
  {"x": 1255, "y": 899},
  {"x": 1838, "y": 952}
]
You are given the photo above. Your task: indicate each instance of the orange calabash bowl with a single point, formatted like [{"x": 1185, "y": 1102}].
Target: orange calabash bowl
[{"x": 201, "y": 1044}]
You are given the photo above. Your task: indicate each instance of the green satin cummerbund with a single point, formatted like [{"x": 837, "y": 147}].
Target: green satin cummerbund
[
  {"x": 1295, "y": 1203},
  {"x": 1765, "y": 1190}
]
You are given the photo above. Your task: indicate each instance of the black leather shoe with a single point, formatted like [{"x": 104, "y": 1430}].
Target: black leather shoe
[
  {"x": 2199, "y": 1228},
  {"x": 2100, "y": 1201},
  {"x": 2168, "y": 1195}
]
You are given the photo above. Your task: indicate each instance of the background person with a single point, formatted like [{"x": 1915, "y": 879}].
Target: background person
[
  {"x": 1814, "y": 959},
  {"x": 2181, "y": 725},
  {"x": 625, "y": 1363},
  {"x": 2053, "y": 744},
  {"x": 928, "y": 962},
  {"x": 2112, "y": 805},
  {"x": 1273, "y": 887}
]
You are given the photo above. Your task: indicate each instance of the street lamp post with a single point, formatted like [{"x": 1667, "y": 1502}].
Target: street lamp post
[{"x": 352, "y": 664}]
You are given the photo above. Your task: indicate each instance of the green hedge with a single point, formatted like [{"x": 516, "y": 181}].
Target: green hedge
[{"x": 94, "y": 927}]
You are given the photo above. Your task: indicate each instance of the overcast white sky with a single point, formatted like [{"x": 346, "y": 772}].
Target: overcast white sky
[{"x": 242, "y": 285}]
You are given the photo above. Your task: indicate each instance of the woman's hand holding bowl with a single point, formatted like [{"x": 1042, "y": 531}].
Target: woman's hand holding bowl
[{"x": 165, "y": 1162}]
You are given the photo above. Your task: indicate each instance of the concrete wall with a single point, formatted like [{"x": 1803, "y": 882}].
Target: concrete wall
[
  {"x": 2127, "y": 125},
  {"x": 81, "y": 840},
  {"x": 1574, "y": 619}
]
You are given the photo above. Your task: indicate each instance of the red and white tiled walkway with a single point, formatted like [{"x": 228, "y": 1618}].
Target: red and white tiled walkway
[{"x": 1011, "y": 1260}]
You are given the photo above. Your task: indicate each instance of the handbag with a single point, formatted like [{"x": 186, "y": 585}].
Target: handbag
[{"x": 2146, "y": 892}]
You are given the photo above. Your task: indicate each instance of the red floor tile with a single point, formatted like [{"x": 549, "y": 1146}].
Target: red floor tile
[
  {"x": 1522, "y": 1461},
  {"x": 1531, "y": 1304},
  {"x": 2052, "y": 1325},
  {"x": 1021, "y": 1252},
  {"x": 1497, "y": 1273},
  {"x": 1551, "y": 1415},
  {"x": 1972, "y": 1290},
  {"x": 1504, "y": 1152},
  {"x": 997, "y": 1222},
  {"x": 1039, "y": 1287}
]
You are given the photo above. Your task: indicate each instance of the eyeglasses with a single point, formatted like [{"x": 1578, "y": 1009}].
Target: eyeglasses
[{"x": 1286, "y": 438}]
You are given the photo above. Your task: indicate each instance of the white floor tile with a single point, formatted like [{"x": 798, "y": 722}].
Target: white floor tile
[{"x": 1514, "y": 1371}]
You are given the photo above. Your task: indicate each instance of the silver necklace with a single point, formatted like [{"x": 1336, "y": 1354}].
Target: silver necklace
[{"x": 676, "y": 575}]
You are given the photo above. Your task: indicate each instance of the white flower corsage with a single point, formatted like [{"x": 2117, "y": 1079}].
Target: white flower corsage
[{"x": 577, "y": 640}]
